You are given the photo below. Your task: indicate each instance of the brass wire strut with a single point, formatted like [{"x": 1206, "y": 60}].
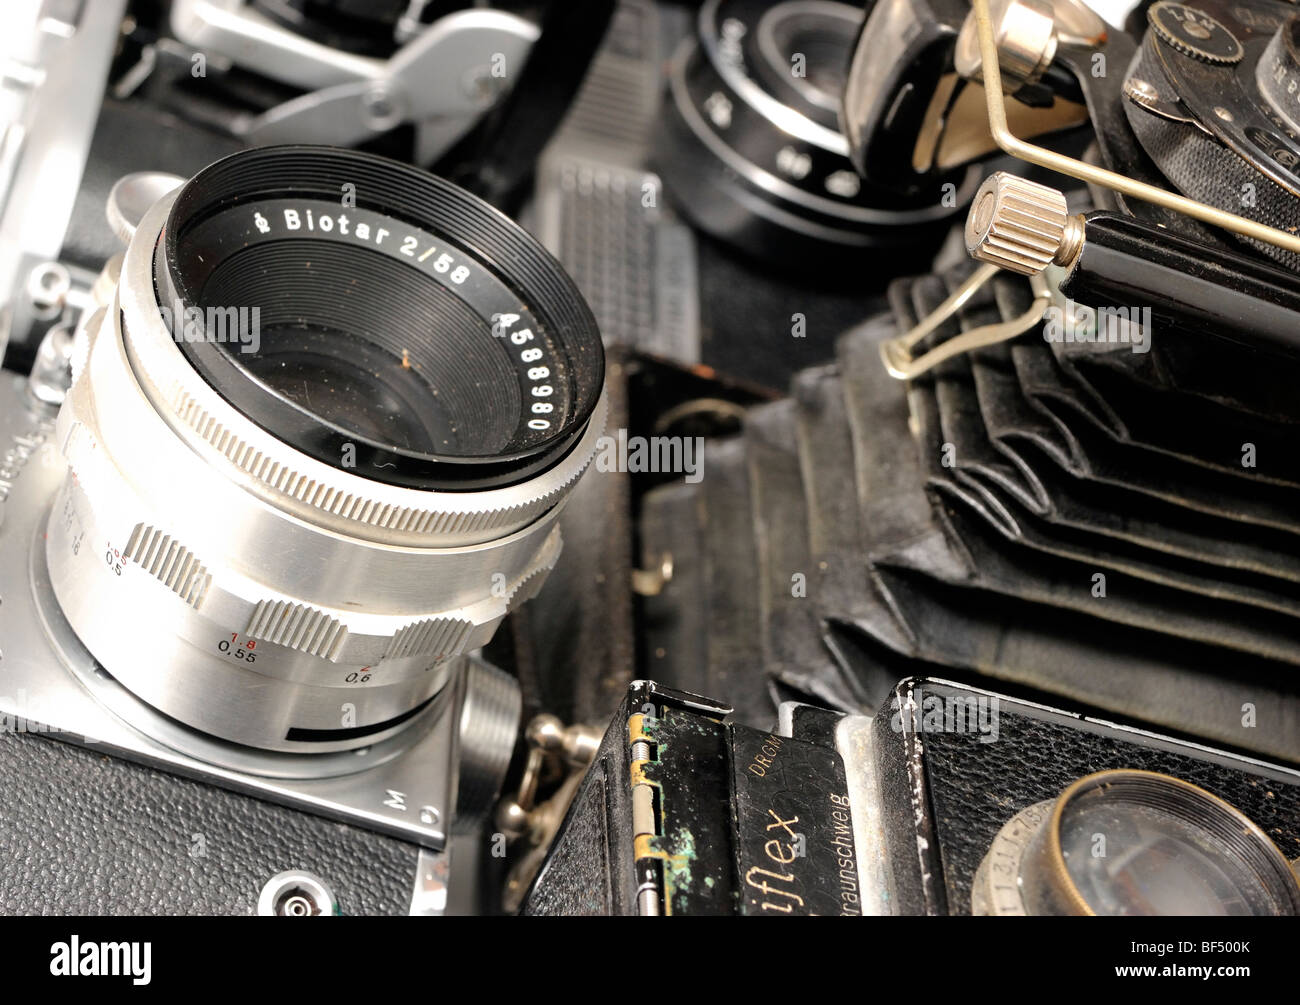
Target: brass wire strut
[
  {"x": 1042, "y": 157},
  {"x": 897, "y": 352}
]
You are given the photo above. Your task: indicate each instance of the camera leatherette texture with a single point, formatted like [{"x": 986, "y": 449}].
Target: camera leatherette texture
[
  {"x": 85, "y": 833},
  {"x": 975, "y": 787}
]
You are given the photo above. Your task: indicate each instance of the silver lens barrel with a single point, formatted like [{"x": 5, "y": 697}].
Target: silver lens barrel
[{"x": 250, "y": 590}]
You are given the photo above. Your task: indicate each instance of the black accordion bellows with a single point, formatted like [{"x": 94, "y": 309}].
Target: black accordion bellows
[{"x": 1120, "y": 528}]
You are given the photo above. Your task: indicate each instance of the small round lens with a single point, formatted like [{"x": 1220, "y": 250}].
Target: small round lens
[
  {"x": 1146, "y": 844},
  {"x": 1139, "y": 860}
]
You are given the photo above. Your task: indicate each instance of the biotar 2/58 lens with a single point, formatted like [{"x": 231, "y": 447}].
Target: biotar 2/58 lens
[{"x": 319, "y": 447}]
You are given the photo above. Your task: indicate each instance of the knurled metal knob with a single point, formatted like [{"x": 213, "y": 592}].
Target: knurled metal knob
[
  {"x": 132, "y": 196},
  {"x": 1021, "y": 226}
]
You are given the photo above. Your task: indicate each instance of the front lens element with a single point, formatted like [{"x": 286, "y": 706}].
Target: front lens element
[
  {"x": 371, "y": 348},
  {"x": 1155, "y": 863},
  {"x": 1145, "y": 844},
  {"x": 344, "y": 302}
]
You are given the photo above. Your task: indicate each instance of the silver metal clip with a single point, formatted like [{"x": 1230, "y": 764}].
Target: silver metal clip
[{"x": 897, "y": 352}]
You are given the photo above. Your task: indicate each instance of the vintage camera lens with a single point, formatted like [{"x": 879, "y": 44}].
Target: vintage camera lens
[
  {"x": 1155, "y": 862},
  {"x": 751, "y": 149},
  {"x": 799, "y": 50},
  {"x": 319, "y": 446},
  {"x": 1135, "y": 843},
  {"x": 401, "y": 329},
  {"x": 1140, "y": 843}
]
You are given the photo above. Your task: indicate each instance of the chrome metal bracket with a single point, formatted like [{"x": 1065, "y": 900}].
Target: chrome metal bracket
[{"x": 442, "y": 79}]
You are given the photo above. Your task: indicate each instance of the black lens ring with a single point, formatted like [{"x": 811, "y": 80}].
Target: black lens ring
[{"x": 413, "y": 197}]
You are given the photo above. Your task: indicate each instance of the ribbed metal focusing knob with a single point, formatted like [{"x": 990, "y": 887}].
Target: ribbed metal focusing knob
[{"x": 1021, "y": 226}]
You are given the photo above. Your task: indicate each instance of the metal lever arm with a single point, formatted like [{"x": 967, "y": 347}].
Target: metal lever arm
[{"x": 1042, "y": 157}]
